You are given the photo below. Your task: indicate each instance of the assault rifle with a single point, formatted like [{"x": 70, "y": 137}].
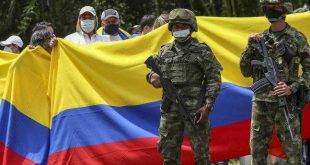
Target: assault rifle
[{"x": 271, "y": 73}]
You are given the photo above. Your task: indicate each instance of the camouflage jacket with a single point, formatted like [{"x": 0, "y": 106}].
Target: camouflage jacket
[
  {"x": 194, "y": 71},
  {"x": 296, "y": 52}
]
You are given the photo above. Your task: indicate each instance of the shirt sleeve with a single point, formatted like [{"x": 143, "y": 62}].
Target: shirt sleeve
[
  {"x": 212, "y": 77},
  {"x": 304, "y": 54},
  {"x": 245, "y": 61}
]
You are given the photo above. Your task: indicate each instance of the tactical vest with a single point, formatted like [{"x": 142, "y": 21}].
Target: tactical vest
[{"x": 185, "y": 72}]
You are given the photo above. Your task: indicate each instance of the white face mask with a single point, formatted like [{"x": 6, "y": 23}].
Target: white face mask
[
  {"x": 182, "y": 35},
  {"x": 8, "y": 49},
  {"x": 88, "y": 25}
]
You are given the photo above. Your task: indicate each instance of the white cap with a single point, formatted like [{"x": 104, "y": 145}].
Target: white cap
[
  {"x": 109, "y": 13},
  {"x": 13, "y": 40},
  {"x": 88, "y": 9}
]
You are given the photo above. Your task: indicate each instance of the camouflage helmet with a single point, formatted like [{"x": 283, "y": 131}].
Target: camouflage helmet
[
  {"x": 287, "y": 4},
  {"x": 184, "y": 16}
]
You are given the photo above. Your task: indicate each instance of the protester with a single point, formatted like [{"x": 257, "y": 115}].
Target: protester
[
  {"x": 134, "y": 31},
  {"x": 40, "y": 26},
  {"x": 86, "y": 27},
  {"x": 44, "y": 38},
  {"x": 43, "y": 25},
  {"x": 110, "y": 29},
  {"x": 13, "y": 44},
  {"x": 146, "y": 23}
]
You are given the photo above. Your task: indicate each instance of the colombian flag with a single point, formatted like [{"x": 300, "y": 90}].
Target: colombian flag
[
  {"x": 91, "y": 104},
  {"x": 25, "y": 110},
  {"x": 6, "y": 59}
]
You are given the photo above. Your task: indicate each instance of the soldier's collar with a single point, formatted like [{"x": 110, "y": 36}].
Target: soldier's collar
[
  {"x": 287, "y": 27},
  {"x": 180, "y": 47}
]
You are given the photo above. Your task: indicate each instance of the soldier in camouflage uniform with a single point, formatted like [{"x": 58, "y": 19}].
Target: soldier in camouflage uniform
[
  {"x": 288, "y": 48},
  {"x": 195, "y": 72}
]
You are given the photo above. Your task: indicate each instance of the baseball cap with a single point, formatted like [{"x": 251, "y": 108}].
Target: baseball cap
[
  {"x": 12, "y": 40},
  {"x": 88, "y": 9},
  {"x": 109, "y": 13},
  {"x": 136, "y": 27}
]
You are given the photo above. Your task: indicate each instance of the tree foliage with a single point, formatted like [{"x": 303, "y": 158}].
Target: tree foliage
[{"x": 19, "y": 17}]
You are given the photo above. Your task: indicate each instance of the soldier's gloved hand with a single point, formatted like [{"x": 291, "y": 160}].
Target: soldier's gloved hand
[
  {"x": 255, "y": 37},
  {"x": 282, "y": 89},
  {"x": 155, "y": 80},
  {"x": 202, "y": 114}
]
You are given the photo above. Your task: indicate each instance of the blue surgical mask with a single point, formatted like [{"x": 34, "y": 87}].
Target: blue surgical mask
[
  {"x": 182, "y": 35},
  {"x": 111, "y": 29},
  {"x": 88, "y": 25}
]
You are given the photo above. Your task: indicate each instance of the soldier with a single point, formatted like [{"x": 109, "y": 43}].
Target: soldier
[
  {"x": 288, "y": 48},
  {"x": 195, "y": 73}
]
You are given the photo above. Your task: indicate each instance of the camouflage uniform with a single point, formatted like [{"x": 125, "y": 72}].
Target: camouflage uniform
[
  {"x": 195, "y": 72},
  {"x": 265, "y": 110}
]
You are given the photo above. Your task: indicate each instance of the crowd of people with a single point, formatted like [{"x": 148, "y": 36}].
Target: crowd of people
[{"x": 88, "y": 31}]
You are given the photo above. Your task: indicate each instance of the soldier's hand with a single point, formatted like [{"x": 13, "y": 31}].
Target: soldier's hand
[
  {"x": 255, "y": 37},
  {"x": 202, "y": 114},
  {"x": 155, "y": 80},
  {"x": 282, "y": 89}
]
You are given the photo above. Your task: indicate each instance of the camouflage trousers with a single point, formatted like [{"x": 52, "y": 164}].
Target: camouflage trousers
[
  {"x": 266, "y": 116},
  {"x": 171, "y": 136}
]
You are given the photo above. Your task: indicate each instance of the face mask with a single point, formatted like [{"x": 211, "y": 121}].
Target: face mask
[
  {"x": 135, "y": 35},
  {"x": 7, "y": 49},
  {"x": 111, "y": 29},
  {"x": 274, "y": 15},
  {"x": 182, "y": 35},
  {"x": 88, "y": 25}
]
